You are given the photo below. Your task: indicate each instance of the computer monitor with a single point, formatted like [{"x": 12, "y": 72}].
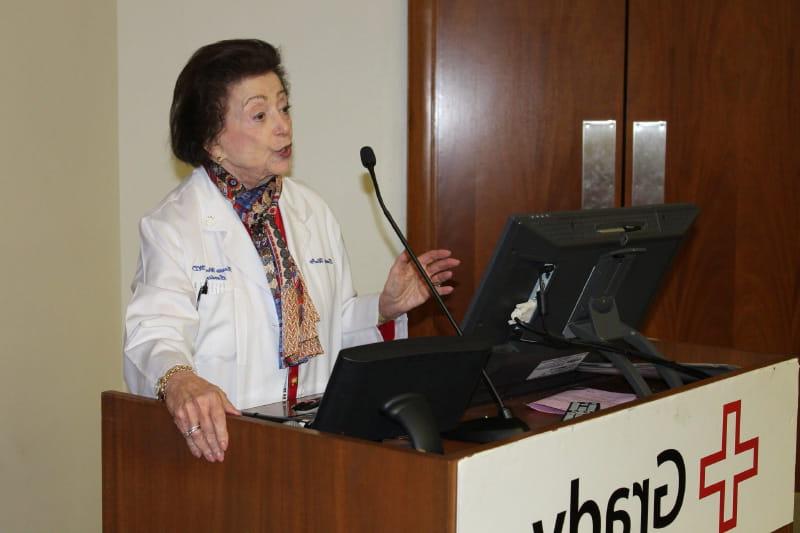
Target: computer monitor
[
  {"x": 444, "y": 370},
  {"x": 566, "y": 256}
]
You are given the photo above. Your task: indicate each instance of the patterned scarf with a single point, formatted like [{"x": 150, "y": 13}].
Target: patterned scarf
[{"x": 258, "y": 210}]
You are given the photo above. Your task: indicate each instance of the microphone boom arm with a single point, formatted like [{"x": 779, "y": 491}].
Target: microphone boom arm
[
  {"x": 368, "y": 160},
  {"x": 411, "y": 254}
]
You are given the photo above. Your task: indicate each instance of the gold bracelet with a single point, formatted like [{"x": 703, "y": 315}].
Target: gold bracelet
[{"x": 161, "y": 384}]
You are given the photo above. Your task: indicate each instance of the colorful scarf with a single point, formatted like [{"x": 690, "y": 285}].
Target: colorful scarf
[{"x": 258, "y": 210}]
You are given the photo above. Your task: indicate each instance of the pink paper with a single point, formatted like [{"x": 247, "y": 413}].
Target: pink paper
[{"x": 558, "y": 403}]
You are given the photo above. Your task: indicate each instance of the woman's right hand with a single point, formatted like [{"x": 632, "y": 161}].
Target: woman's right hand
[{"x": 193, "y": 401}]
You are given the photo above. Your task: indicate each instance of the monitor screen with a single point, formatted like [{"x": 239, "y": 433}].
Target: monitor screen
[{"x": 559, "y": 251}]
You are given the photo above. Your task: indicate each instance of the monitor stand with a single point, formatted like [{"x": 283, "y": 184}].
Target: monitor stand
[
  {"x": 596, "y": 319},
  {"x": 413, "y": 413}
]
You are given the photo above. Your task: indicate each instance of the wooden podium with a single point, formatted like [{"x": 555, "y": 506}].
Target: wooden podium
[{"x": 279, "y": 478}]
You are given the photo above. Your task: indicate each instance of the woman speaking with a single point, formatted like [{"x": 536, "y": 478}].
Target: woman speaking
[{"x": 243, "y": 294}]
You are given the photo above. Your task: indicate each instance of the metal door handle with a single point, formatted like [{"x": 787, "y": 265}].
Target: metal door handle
[
  {"x": 649, "y": 162},
  {"x": 599, "y": 156}
]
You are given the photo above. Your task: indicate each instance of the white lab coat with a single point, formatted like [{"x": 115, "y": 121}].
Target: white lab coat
[{"x": 231, "y": 337}]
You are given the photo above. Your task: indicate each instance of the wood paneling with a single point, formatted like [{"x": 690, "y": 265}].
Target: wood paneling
[
  {"x": 498, "y": 93},
  {"x": 276, "y": 478},
  {"x": 273, "y": 479},
  {"x": 726, "y": 76}
]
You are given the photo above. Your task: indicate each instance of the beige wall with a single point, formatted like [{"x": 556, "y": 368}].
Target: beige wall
[
  {"x": 59, "y": 320},
  {"x": 346, "y": 62}
]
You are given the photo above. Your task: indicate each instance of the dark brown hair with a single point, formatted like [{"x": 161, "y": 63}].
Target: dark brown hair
[{"x": 197, "y": 114}]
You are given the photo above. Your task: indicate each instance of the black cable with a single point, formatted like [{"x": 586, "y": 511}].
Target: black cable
[
  {"x": 541, "y": 305},
  {"x": 627, "y": 352}
]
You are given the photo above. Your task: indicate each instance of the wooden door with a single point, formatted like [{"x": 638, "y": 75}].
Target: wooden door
[
  {"x": 498, "y": 92},
  {"x": 725, "y": 75}
]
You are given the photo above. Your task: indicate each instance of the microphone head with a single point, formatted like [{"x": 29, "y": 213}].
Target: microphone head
[{"x": 368, "y": 157}]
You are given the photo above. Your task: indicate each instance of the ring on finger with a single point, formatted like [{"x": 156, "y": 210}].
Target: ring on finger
[
  {"x": 189, "y": 432},
  {"x": 437, "y": 284}
]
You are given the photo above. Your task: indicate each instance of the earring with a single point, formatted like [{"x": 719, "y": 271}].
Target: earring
[{"x": 219, "y": 158}]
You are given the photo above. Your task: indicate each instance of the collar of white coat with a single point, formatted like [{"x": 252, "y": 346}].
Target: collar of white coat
[{"x": 217, "y": 214}]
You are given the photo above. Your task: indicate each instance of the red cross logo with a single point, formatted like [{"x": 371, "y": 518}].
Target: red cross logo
[{"x": 730, "y": 412}]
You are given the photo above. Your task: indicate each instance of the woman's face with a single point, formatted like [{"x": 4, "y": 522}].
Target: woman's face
[{"x": 256, "y": 137}]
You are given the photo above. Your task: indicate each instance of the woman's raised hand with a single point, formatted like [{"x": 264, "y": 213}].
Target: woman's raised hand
[{"x": 405, "y": 289}]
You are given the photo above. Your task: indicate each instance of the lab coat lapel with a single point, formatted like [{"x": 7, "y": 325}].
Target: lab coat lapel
[
  {"x": 217, "y": 215},
  {"x": 297, "y": 218}
]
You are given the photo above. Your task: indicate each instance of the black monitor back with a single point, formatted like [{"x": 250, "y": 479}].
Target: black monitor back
[
  {"x": 445, "y": 370},
  {"x": 571, "y": 243}
]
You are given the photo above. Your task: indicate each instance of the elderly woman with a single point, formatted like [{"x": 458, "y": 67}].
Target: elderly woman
[{"x": 243, "y": 294}]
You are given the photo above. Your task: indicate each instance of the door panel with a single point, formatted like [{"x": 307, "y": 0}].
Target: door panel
[
  {"x": 498, "y": 93},
  {"x": 724, "y": 75}
]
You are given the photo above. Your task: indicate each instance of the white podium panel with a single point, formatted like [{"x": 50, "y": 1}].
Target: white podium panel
[{"x": 715, "y": 457}]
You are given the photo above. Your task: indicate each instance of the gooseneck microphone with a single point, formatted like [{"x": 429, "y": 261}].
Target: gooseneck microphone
[
  {"x": 369, "y": 162},
  {"x": 482, "y": 429}
]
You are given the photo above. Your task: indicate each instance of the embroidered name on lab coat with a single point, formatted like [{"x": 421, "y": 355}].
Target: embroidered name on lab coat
[{"x": 212, "y": 273}]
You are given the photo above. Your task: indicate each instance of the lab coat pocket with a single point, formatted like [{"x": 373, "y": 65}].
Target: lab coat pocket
[{"x": 216, "y": 335}]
